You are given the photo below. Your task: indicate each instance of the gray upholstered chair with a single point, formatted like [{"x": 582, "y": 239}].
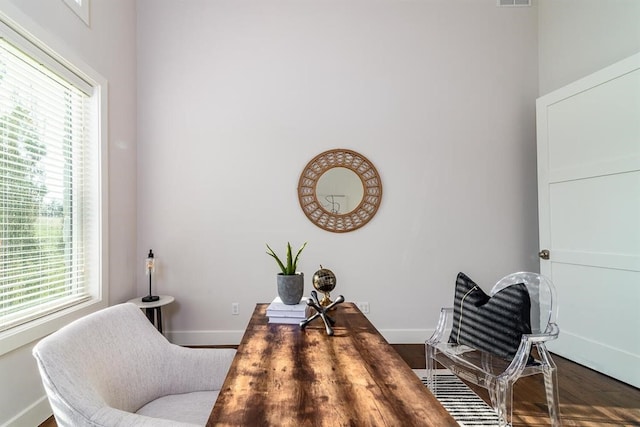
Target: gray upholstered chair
[{"x": 113, "y": 367}]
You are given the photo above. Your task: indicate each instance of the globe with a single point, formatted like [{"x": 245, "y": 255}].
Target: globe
[{"x": 324, "y": 281}]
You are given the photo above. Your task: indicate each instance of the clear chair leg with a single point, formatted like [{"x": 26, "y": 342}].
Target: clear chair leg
[
  {"x": 551, "y": 389},
  {"x": 431, "y": 377},
  {"x": 550, "y": 385},
  {"x": 502, "y": 399}
]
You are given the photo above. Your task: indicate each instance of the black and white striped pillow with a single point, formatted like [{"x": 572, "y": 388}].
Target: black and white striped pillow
[{"x": 492, "y": 324}]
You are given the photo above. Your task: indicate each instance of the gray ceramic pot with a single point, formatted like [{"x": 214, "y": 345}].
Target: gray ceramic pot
[{"x": 290, "y": 288}]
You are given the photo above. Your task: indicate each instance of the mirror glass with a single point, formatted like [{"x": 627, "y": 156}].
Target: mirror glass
[{"x": 339, "y": 190}]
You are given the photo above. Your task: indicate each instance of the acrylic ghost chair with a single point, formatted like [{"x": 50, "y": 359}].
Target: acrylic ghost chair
[{"x": 496, "y": 374}]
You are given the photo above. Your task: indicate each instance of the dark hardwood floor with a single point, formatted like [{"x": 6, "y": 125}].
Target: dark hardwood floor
[{"x": 587, "y": 398}]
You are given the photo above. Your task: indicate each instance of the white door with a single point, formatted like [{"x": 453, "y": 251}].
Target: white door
[{"x": 589, "y": 213}]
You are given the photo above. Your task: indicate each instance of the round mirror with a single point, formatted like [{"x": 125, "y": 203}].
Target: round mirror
[{"x": 339, "y": 190}]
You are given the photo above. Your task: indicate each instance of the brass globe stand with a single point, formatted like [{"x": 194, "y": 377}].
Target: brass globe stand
[{"x": 324, "y": 281}]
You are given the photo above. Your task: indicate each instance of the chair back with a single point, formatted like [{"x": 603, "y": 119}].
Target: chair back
[
  {"x": 103, "y": 359},
  {"x": 542, "y": 294}
]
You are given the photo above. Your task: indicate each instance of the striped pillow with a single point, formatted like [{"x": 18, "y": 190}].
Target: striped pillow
[{"x": 492, "y": 324}]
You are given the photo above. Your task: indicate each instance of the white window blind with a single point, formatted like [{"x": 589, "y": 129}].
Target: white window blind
[{"x": 44, "y": 198}]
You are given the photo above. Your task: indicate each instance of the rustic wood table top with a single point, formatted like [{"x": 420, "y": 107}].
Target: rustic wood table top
[{"x": 285, "y": 376}]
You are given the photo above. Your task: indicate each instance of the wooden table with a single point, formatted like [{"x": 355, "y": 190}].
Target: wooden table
[{"x": 284, "y": 376}]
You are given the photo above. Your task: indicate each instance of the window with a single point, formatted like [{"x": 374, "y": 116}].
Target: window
[{"x": 50, "y": 186}]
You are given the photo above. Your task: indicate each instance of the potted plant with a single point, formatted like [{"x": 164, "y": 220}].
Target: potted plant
[{"x": 290, "y": 282}]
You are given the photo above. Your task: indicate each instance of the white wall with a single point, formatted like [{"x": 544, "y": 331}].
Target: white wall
[
  {"x": 107, "y": 46},
  {"x": 580, "y": 37},
  {"x": 236, "y": 96}
]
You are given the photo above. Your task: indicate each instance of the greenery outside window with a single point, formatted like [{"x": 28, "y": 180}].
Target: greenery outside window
[{"x": 51, "y": 195}]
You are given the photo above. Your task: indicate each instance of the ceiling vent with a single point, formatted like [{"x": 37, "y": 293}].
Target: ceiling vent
[{"x": 506, "y": 3}]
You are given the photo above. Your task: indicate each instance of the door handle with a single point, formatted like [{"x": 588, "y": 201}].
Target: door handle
[{"x": 544, "y": 254}]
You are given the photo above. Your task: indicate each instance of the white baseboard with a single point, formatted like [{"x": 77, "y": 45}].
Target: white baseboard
[
  {"x": 194, "y": 338},
  {"x": 406, "y": 336},
  {"x": 188, "y": 338},
  {"x": 34, "y": 415}
]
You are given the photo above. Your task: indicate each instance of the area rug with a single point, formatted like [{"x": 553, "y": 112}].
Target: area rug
[{"x": 468, "y": 409}]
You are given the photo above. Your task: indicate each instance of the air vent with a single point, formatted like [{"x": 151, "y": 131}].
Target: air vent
[{"x": 507, "y": 3}]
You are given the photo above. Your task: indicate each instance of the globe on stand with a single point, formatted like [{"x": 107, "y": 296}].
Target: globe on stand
[{"x": 324, "y": 281}]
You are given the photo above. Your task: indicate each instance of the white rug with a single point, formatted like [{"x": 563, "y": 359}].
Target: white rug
[{"x": 468, "y": 409}]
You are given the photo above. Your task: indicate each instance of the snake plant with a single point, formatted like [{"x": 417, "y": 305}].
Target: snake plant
[{"x": 290, "y": 267}]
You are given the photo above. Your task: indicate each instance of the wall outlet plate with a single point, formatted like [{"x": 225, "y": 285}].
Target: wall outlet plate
[{"x": 363, "y": 306}]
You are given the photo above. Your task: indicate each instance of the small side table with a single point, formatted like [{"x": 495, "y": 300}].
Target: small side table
[{"x": 154, "y": 306}]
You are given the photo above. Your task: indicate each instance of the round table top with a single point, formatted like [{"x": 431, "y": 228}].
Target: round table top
[{"x": 164, "y": 300}]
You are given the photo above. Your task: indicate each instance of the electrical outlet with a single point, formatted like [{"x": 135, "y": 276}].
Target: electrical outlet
[
  {"x": 363, "y": 306},
  {"x": 235, "y": 308}
]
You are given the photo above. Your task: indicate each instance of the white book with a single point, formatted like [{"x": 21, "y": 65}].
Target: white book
[
  {"x": 279, "y": 309},
  {"x": 286, "y": 314},
  {"x": 285, "y": 320}
]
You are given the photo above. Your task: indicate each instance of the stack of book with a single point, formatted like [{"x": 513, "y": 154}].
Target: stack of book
[{"x": 279, "y": 312}]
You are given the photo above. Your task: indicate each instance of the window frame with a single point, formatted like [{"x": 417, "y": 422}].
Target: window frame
[{"x": 62, "y": 61}]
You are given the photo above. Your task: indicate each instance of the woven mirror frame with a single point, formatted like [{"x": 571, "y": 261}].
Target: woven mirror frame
[{"x": 371, "y": 183}]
